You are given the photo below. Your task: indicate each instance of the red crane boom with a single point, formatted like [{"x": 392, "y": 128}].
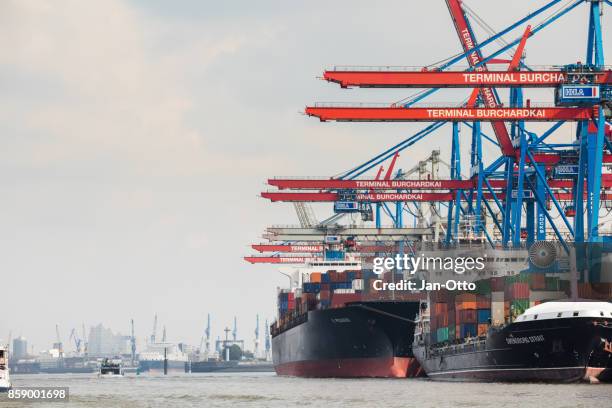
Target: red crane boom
[
  {"x": 453, "y": 79},
  {"x": 494, "y": 115}
]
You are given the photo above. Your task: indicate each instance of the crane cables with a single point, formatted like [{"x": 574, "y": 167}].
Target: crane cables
[{"x": 486, "y": 27}]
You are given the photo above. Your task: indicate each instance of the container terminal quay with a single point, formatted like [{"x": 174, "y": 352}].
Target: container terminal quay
[{"x": 512, "y": 188}]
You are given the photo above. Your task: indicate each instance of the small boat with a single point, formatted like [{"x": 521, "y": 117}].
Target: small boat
[
  {"x": 5, "y": 381},
  {"x": 110, "y": 369}
]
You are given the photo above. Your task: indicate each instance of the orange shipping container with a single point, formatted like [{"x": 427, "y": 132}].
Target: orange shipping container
[
  {"x": 440, "y": 308},
  {"x": 466, "y": 305},
  {"x": 315, "y": 277}
]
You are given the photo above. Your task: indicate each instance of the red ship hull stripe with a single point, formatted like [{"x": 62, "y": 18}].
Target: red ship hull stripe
[{"x": 393, "y": 367}]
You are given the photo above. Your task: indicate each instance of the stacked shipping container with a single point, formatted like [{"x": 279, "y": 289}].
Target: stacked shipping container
[{"x": 458, "y": 315}]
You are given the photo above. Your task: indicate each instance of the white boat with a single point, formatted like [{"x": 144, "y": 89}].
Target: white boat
[
  {"x": 111, "y": 369},
  {"x": 5, "y": 381}
]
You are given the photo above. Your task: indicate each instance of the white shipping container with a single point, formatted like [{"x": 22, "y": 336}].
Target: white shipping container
[
  {"x": 497, "y": 296},
  {"x": 344, "y": 290},
  {"x": 545, "y": 295},
  {"x": 357, "y": 284},
  {"x": 497, "y": 312}
]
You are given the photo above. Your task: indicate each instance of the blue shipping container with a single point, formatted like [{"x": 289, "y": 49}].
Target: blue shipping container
[
  {"x": 468, "y": 330},
  {"x": 311, "y": 287},
  {"x": 333, "y": 255},
  {"x": 325, "y": 278},
  {"x": 484, "y": 315}
]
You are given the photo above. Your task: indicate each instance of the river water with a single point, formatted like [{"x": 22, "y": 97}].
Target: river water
[{"x": 268, "y": 390}]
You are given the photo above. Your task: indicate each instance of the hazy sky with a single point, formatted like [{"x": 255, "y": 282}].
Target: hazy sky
[{"x": 137, "y": 135}]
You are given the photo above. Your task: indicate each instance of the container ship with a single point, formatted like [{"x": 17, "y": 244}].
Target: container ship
[
  {"x": 544, "y": 323},
  {"x": 333, "y": 324},
  {"x": 553, "y": 341}
]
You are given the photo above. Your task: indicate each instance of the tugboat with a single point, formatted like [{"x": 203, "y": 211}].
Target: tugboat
[
  {"x": 550, "y": 342},
  {"x": 110, "y": 369},
  {"x": 5, "y": 381}
]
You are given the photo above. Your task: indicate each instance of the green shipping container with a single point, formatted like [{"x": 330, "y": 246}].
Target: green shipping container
[
  {"x": 552, "y": 283},
  {"x": 442, "y": 334},
  {"x": 518, "y": 306},
  {"x": 483, "y": 287}
]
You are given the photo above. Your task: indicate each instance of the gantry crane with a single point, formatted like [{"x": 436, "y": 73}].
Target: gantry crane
[{"x": 534, "y": 183}]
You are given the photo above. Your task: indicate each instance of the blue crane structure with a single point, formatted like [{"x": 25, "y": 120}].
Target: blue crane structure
[{"x": 533, "y": 183}]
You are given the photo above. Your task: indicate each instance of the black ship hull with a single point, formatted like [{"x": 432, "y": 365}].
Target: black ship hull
[
  {"x": 211, "y": 366},
  {"x": 373, "y": 339},
  {"x": 229, "y": 367},
  {"x": 555, "y": 350},
  {"x": 157, "y": 366}
]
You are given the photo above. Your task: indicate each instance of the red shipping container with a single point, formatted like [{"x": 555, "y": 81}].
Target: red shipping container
[
  {"x": 467, "y": 316},
  {"x": 324, "y": 294},
  {"x": 441, "y": 296},
  {"x": 440, "y": 308},
  {"x": 538, "y": 281},
  {"x": 497, "y": 284},
  {"x": 291, "y": 296},
  {"x": 465, "y": 297},
  {"x": 442, "y": 320},
  {"x": 517, "y": 290},
  {"x": 452, "y": 318},
  {"x": 388, "y": 277},
  {"x": 483, "y": 303},
  {"x": 340, "y": 299}
]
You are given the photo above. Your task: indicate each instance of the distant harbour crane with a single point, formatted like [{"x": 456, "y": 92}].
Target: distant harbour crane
[
  {"x": 77, "y": 341},
  {"x": 153, "y": 334},
  {"x": 133, "y": 342},
  {"x": 256, "y": 350}
]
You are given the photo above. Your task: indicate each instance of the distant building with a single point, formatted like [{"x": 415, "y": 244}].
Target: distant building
[
  {"x": 104, "y": 343},
  {"x": 20, "y": 348}
]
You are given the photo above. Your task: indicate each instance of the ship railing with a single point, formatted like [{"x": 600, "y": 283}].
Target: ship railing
[{"x": 469, "y": 345}]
